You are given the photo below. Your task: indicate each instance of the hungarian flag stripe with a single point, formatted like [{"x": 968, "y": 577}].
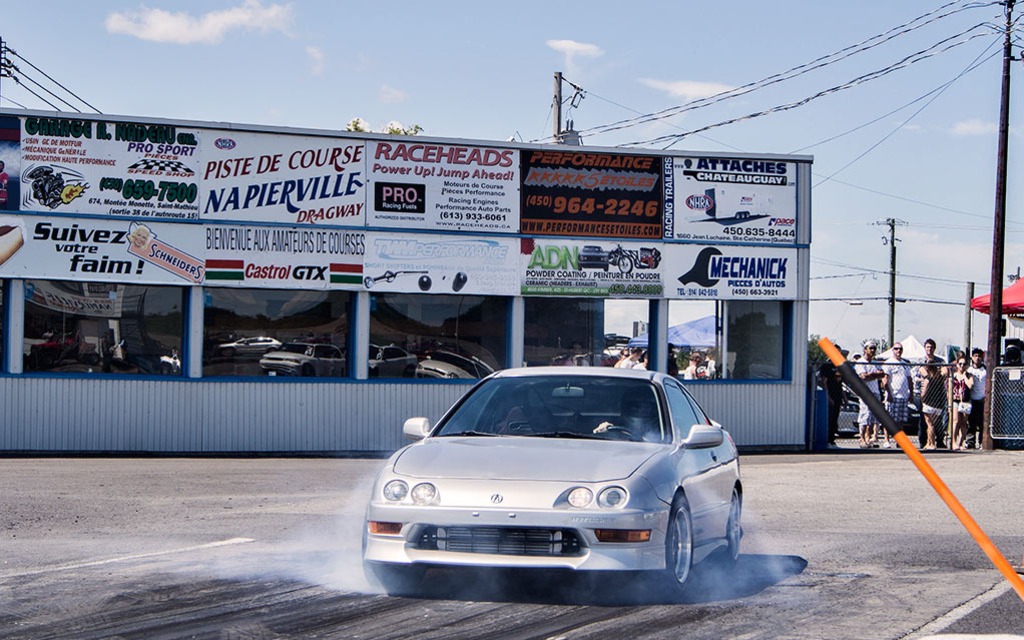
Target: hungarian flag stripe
[
  {"x": 225, "y": 270},
  {"x": 225, "y": 264},
  {"x": 346, "y": 273}
]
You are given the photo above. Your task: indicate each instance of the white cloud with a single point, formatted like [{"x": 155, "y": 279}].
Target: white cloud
[
  {"x": 572, "y": 50},
  {"x": 391, "y": 95},
  {"x": 974, "y": 127},
  {"x": 686, "y": 89},
  {"x": 317, "y": 58},
  {"x": 157, "y": 25}
]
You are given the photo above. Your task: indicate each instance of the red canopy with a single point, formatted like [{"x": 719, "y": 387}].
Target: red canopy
[{"x": 1013, "y": 300}]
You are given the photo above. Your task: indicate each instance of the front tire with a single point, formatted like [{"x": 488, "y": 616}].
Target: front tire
[
  {"x": 679, "y": 544},
  {"x": 733, "y": 528}
]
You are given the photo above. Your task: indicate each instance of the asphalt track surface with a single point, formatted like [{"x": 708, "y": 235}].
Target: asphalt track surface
[{"x": 848, "y": 544}]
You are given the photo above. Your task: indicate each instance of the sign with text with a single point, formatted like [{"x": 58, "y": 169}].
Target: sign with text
[
  {"x": 731, "y": 200},
  {"x": 425, "y": 263},
  {"x": 125, "y": 169},
  {"x": 578, "y": 193},
  {"x": 298, "y": 180},
  {"x": 284, "y": 257},
  {"x": 728, "y": 272},
  {"x": 603, "y": 270}
]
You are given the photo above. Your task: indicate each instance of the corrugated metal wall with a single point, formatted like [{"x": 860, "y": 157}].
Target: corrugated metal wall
[{"x": 160, "y": 416}]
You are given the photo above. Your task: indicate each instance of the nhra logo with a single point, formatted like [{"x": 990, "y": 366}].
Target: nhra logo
[
  {"x": 224, "y": 143},
  {"x": 699, "y": 202}
]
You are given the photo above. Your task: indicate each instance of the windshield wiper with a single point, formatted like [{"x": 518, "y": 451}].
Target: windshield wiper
[
  {"x": 468, "y": 433},
  {"x": 565, "y": 434}
]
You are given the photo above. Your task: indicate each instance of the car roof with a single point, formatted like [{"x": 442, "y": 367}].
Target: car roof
[{"x": 591, "y": 372}]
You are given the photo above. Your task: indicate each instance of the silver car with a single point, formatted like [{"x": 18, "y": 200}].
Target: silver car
[
  {"x": 306, "y": 360},
  {"x": 548, "y": 467}
]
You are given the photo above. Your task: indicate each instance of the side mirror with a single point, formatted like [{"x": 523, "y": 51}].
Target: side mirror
[
  {"x": 416, "y": 428},
  {"x": 703, "y": 436}
]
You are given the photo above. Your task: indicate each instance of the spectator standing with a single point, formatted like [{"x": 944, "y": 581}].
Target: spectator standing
[
  {"x": 960, "y": 394},
  {"x": 937, "y": 421},
  {"x": 976, "y": 418},
  {"x": 899, "y": 390},
  {"x": 698, "y": 369},
  {"x": 874, "y": 377},
  {"x": 832, "y": 383},
  {"x": 933, "y": 401},
  {"x": 673, "y": 363},
  {"x": 630, "y": 360},
  {"x": 641, "y": 362}
]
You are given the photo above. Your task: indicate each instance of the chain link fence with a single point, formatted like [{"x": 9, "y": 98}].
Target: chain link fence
[{"x": 1007, "y": 420}]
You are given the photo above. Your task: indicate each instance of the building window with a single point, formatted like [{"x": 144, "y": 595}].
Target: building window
[
  {"x": 756, "y": 339},
  {"x": 437, "y": 336},
  {"x": 269, "y": 332},
  {"x": 85, "y": 327},
  {"x": 581, "y": 331}
]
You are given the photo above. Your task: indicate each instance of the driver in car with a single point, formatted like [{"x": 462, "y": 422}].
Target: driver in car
[{"x": 638, "y": 418}]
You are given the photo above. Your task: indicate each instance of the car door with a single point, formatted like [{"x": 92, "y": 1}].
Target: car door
[{"x": 703, "y": 470}]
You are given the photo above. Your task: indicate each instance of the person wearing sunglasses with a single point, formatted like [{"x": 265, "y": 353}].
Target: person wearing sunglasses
[
  {"x": 960, "y": 394},
  {"x": 898, "y": 390},
  {"x": 875, "y": 378}
]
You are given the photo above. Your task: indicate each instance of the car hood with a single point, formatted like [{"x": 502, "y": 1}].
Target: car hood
[
  {"x": 508, "y": 458},
  {"x": 285, "y": 355}
]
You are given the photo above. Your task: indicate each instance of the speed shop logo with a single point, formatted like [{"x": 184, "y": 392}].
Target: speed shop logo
[{"x": 400, "y": 198}]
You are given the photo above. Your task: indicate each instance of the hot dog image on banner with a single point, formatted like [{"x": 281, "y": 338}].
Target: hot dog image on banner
[
  {"x": 724, "y": 272},
  {"x": 577, "y": 193}
]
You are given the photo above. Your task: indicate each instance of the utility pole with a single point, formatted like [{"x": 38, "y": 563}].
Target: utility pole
[
  {"x": 892, "y": 240},
  {"x": 558, "y": 106},
  {"x": 967, "y": 318},
  {"x": 995, "y": 313}
]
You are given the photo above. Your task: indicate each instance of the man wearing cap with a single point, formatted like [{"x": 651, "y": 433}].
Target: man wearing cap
[
  {"x": 875, "y": 379},
  {"x": 976, "y": 417}
]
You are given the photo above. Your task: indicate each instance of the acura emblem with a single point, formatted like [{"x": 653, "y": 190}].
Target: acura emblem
[{"x": 496, "y": 498}]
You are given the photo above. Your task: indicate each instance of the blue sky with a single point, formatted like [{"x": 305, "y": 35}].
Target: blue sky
[{"x": 917, "y": 144}]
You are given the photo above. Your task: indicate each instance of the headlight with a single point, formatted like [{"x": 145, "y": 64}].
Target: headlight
[
  {"x": 581, "y": 497},
  {"x": 424, "y": 493},
  {"x": 612, "y": 498},
  {"x": 395, "y": 491}
]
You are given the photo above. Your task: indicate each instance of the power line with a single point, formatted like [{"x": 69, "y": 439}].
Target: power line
[{"x": 21, "y": 76}]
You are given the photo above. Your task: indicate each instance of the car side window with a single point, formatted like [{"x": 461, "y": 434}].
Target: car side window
[{"x": 682, "y": 411}]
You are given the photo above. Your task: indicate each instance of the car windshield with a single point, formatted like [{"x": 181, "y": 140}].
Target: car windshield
[
  {"x": 294, "y": 347},
  {"x": 556, "y": 406}
]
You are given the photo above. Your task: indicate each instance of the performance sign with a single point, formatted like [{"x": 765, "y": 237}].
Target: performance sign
[
  {"x": 123, "y": 169},
  {"x": 577, "y": 193},
  {"x": 730, "y": 272},
  {"x": 731, "y": 200},
  {"x": 443, "y": 187}
]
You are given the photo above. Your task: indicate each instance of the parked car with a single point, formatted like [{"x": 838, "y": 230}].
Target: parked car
[
  {"x": 445, "y": 364},
  {"x": 593, "y": 256},
  {"x": 391, "y": 362},
  {"x": 248, "y": 347},
  {"x": 583, "y": 469},
  {"x": 305, "y": 359}
]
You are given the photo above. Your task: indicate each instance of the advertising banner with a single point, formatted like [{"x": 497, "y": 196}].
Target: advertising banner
[
  {"x": 284, "y": 257},
  {"x": 696, "y": 272},
  {"x": 578, "y": 193},
  {"x": 299, "y": 180},
  {"x": 122, "y": 169},
  {"x": 424, "y": 263},
  {"x": 731, "y": 200},
  {"x": 443, "y": 187},
  {"x": 601, "y": 270},
  {"x": 101, "y": 250}
]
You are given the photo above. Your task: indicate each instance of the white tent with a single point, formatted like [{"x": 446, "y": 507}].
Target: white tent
[{"x": 913, "y": 350}]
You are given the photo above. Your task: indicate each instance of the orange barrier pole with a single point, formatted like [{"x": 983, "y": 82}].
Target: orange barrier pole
[{"x": 858, "y": 386}]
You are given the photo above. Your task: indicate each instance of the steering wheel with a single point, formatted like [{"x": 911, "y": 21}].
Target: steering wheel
[{"x": 617, "y": 432}]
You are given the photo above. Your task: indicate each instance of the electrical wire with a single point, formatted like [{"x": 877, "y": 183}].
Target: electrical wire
[{"x": 20, "y": 76}]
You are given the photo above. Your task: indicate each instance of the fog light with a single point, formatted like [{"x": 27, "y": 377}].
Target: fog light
[
  {"x": 580, "y": 497},
  {"x": 384, "y": 528},
  {"x": 623, "y": 535}
]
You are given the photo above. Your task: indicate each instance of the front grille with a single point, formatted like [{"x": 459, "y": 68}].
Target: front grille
[{"x": 500, "y": 540}]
